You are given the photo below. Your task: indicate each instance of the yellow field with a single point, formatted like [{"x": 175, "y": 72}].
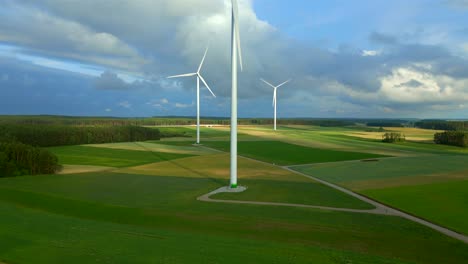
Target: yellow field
[
  {"x": 411, "y": 134},
  {"x": 73, "y": 169},
  {"x": 214, "y": 166}
]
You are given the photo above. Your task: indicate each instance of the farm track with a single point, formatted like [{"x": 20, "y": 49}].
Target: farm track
[
  {"x": 206, "y": 198},
  {"x": 380, "y": 208}
]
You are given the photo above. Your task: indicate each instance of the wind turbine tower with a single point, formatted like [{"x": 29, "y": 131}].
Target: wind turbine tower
[
  {"x": 236, "y": 53},
  {"x": 199, "y": 77},
  {"x": 275, "y": 88}
]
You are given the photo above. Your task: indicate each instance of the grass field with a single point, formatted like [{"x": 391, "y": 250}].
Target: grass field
[
  {"x": 432, "y": 187},
  {"x": 82, "y": 155},
  {"x": 145, "y": 209},
  {"x": 443, "y": 203},
  {"x": 265, "y": 182},
  {"x": 282, "y": 153},
  {"x": 89, "y": 211}
]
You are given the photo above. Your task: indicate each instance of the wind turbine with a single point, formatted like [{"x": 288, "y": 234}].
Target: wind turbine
[
  {"x": 236, "y": 53},
  {"x": 274, "y": 94},
  {"x": 199, "y": 77}
]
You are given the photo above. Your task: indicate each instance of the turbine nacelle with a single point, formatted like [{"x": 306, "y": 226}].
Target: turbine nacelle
[
  {"x": 275, "y": 88},
  {"x": 198, "y": 74}
]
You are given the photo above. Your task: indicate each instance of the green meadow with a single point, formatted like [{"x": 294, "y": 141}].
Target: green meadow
[
  {"x": 283, "y": 154},
  {"x": 83, "y": 155},
  {"x": 145, "y": 210},
  {"x": 432, "y": 187}
]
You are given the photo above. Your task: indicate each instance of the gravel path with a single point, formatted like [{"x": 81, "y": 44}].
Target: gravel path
[{"x": 206, "y": 198}]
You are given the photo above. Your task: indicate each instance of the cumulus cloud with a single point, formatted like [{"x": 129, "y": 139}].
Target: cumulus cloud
[
  {"x": 157, "y": 38},
  {"x": 40, "y": 32}
]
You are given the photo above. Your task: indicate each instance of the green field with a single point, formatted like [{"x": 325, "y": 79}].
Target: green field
[
  {"x": 306, "y": 192},
  {"x": 82, "y": 155},
  {"x": 89, "y": 211},
  {"x": 443, "y": 203},
  {"x": 282, "y": 153},
  {"x": 432, "y": 187},
  {"x": 145, "y": 210}
]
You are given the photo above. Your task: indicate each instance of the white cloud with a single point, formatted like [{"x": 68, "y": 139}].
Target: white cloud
[
  {"x": 108, "y": 110},
  {"x": 125, "y": 104},
  {"x": 40, "y": 32},
  {"x": 370, "y": 53},
  {"x": 180, "y": 105},
  {"x": 158, "y": 103},
  {"x": 413, "y": 85}
]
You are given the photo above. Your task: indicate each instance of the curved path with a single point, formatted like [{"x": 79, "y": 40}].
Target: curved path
[
  {"x": 380, "y": 208},
  {"x": 206, "y": 198}
]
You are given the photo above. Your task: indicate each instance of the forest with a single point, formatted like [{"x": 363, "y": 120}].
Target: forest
[
  {"x": 174, "y": 120},
  {"x": 20, "y": 159},
  {"x": 42, "y": 135},
  {"x": 443, "y": 125},
  {"x": 453, "y": 138}
]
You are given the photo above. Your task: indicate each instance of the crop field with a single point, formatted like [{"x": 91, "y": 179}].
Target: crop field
[
  {"x": 432, "y": 187},
  {"x": 288, "y": 154},
  {"x": 83, "y": 155},
  {"x": 142, "y": 207}
]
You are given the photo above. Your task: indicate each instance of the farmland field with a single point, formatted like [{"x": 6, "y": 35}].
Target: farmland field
[
  {"x": 432, "y": 187},
  {"x": 145, "y": 210},
  {"x": 82, "y": 155},
  {"x": 289, "y": 154}
]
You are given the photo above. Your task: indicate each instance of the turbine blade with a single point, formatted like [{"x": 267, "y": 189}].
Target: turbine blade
[
  {"x": 203, "y": 60},
  {"x": 182, "y": 75},
  {"x": 235, "y": 13},
  {"x": 283, "y": 83},
  {"x": 206, "y": 85},
  {"x": 268, "y": 83}
]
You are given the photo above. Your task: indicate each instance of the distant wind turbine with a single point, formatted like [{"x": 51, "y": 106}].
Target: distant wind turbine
[
  {"x": 199, "y": 77},
  {"x": 235, "y": 53},
  {"x": 275, "y": 88}
]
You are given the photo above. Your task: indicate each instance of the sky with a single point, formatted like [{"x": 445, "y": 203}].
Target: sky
[{"x": 359, "y": 59}]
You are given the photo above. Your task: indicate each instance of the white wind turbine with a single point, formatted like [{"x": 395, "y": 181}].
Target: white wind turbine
[
  {"x": 275, "y": 88},
  {"x": 236, "y": 53},
  {"x": 199, "y": 77}
]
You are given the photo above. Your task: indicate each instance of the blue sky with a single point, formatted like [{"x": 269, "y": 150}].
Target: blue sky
[{"x": 358, "y": 58}]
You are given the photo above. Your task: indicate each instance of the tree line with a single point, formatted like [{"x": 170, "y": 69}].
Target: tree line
[
  {"x": 384, "y": 124},
  {"x": 453, "y": 138},
  {"x": 170, "y": 121},
  {"x": 20, "y": 159},
  {"x": 393, "y": 137},
  {"x": 443, "y": 125},
  {"x": 59, "y": 135}
]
